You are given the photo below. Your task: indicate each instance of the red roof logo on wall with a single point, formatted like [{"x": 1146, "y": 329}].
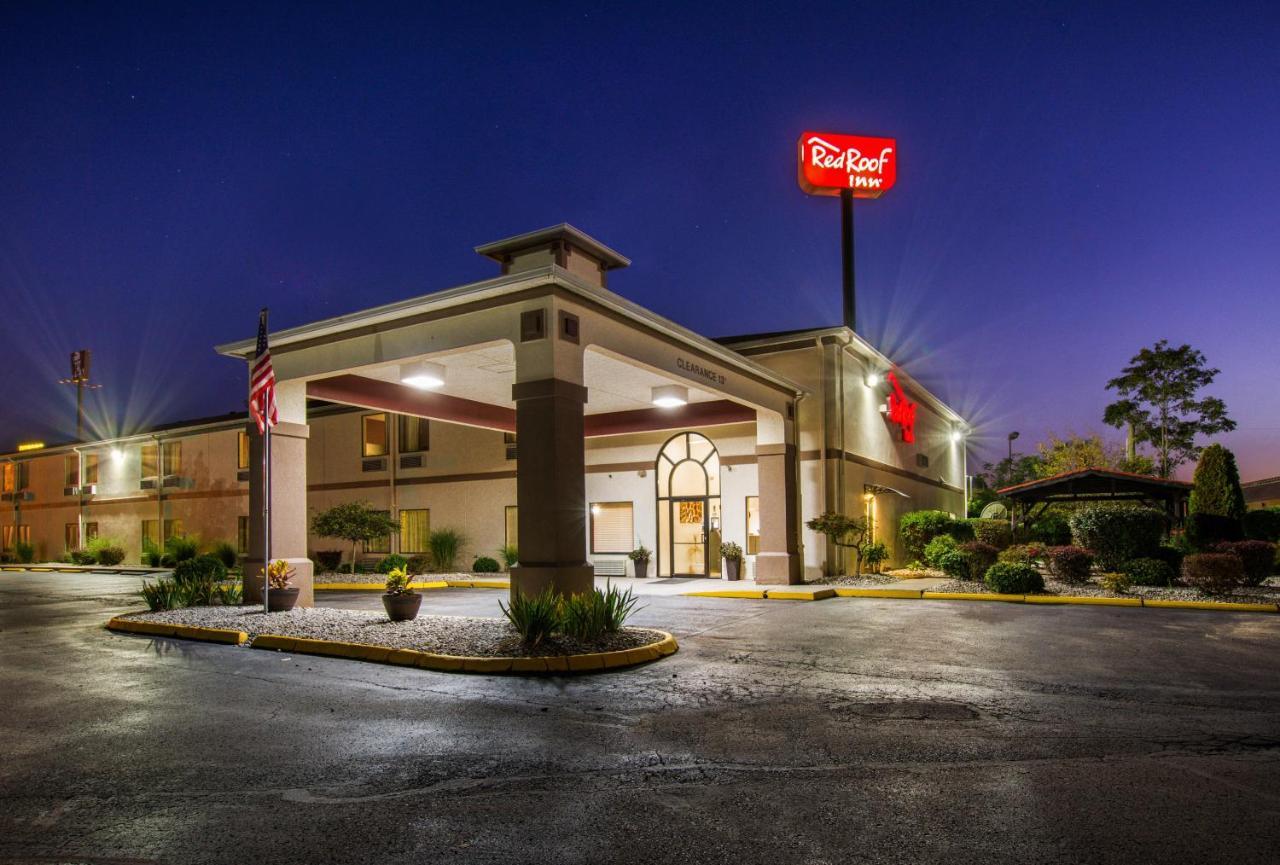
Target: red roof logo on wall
[{"x": 902, "y": 411}]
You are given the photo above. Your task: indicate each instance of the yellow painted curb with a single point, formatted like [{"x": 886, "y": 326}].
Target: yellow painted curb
[
  {"x": 1083, "y": 600},
  {"x": 792, "y": 595},
  {"x": 477, "y": 584},
  {"x": 186, "y": 632},
  {"x": 757, "y": 594},
  {"x": 375, "y": 587},
  {"x": 1211, "y": 605},
  {"x": 273, "y": 641},
  {"x": 914, "y": 594},
  {"x": 972, "y": 596}
]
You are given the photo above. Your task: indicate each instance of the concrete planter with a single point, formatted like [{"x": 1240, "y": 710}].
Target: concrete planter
[
  {"x": 642, "y": 568},
  {"x": 282, "y": 600},
  {"x": 402, "y": 607},
  {"x": 733, "y": 569}
]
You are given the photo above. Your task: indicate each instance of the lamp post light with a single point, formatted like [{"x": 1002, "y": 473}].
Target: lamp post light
[{"x": 1013, "y": 435}]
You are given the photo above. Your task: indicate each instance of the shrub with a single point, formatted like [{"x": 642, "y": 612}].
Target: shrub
[
  {"x": 730, "y": 551},
  {"x": 876, "y": 554},
  {"x": 24, "y": 552},
  {"x": 152, "y": 556},
  {"x": 1052, "y": 530},
  {"x": 1213, "y": 573},
  {"x": 418, "y": 564},
  {"x": 1170, "y": 555},
  {"x": 510, "y": 555},
  {"x": 1149, "y": 572},
  {"x": 1257, "y": 558},
  {"x": 105, "y": 551},
  {"x": 1013, "y": 578},
  {"x": 1117, "y": 533},
  {"x": 181, "y": 548},
  {"x": 398, "y": 582},
  {"x": 919, "y": 527},
  {"x": 161, "y": 595},
  {"x": 225, "y": 553},
  {"x": 81, "y": 557},
  {"x": 328, "y": 560},
  {"x": 640, "y": 554},
  {"x": 535, "y": 617},
  {"x": 994, "y": 532},
  {"x": 980, "y": 556},
  {"x": 953, "y": 563},
  {"x": 1206, "y": 530},
  {"x": 485, "y": 565},
  {"x": 1027, "y": 554},
  {"x": 1069, "y": 564},
  {"x": 197, "y": 580},
  {"x": 393, "y": 562},
  {"x": 1262, "y": 524},
  {"x": 937, "y": 548},
  {"x": 1115, "y": 581},
  {"x": 229, "y": 594},
  {"x": 1216, "y": 485},
  {"x": 445, "y": 545}
]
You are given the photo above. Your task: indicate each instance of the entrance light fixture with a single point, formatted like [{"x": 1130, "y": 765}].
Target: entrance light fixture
[
  {"x": 670, "y": 396},
  {"x": 874, "y": 379},
  {"x": 423, "y": 374},
  {"x": 117, "y": 456},
  {"x": 957, "y": 435}
]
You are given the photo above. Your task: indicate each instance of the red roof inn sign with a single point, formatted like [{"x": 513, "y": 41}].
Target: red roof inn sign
[{"x": 831, "y": 163}]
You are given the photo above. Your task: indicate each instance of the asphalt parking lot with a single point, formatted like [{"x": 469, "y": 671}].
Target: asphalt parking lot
[{"x": 782, "y": 732}]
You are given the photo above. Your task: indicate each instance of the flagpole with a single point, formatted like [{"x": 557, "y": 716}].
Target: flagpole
[{"x": 266, "y": 517}]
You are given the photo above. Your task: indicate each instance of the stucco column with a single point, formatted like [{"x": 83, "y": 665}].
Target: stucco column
[
  {"x": 288, "y": 497},
  {"x": 551, "y": 488},
  {"x": 777, "y": 466}
]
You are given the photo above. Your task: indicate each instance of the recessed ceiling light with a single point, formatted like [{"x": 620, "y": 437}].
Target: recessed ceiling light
[
  {"x": 670, "y": 396},
  {"x": 422, "y": 374}
]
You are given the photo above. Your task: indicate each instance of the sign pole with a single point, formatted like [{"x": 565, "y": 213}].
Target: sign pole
[{"x": 846, "y": 258}]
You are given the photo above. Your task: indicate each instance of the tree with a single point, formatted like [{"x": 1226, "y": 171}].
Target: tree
[
  {"x": 356, "y": 522},
  {"x": 1216, "y": 487},
  {"x": 1159, "y": 401},
  {"x": 1008, "y": 472},
  {"x": 849, "y": 532},
  {"x": 1075, "y": 452}
]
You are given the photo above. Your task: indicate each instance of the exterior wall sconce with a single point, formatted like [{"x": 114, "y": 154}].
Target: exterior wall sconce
[
  {"x": 670, "y": 396},
  {"x": 422, "y": 374}
]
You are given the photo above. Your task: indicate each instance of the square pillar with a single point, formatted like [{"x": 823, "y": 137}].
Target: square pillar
[
  {"x": 551, "y": 488},
  {"x": 288, "y": 498},
  {"x": 777, "y": 466}
]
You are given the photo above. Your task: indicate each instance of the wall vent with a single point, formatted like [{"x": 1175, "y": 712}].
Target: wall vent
[
  {"x": 374, "y": 465},
  {"x": 411, "y": 461}
]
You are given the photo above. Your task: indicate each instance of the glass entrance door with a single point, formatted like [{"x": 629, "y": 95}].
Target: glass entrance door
[
  {"x": 688, "y": 537},
  {"x": 687, "y": 477}
]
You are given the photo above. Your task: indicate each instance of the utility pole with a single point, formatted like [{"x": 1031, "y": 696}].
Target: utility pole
[{"x": 80, "y": 378}]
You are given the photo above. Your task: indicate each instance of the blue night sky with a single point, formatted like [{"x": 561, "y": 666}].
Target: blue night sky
[{"x": 1074, "y": 182}]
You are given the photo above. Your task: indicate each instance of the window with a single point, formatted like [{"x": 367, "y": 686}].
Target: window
[
  {"x": 172, "y": 528},
  {"x": 90, "y": 469},
  {"x": 15, "y": 535},
  {"x": 149, "y": 465},
  {"x": 173, "y": 458},
  {"x": 415, "y": 530},
  {"x": 71, "y": 536},
  {"x": 512, "y": 520},
  {"x": 71, "y": 470},
  {"x": 382, "y": 544},
  {"x": 753, "y": 525},
  {"x": 415, "y": 434},
  {"x": 242, "y": 450},
  {"x": 611, "y": 527},
  {"x": 509, "y": 440},
  {"x": 242, "y": 535},
  {"x": 374, "y": 435},
  {"x": 16, "y": 477},
  {"x": 90, "y": 531}
]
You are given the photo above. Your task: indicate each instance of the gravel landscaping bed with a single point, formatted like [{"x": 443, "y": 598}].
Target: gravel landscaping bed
[
  {"x": 379, "y": 579},
  {"x": 1267, "y": 593},
  {"x": 444, "y": 635},
  {"x": 888, "y": 578}
]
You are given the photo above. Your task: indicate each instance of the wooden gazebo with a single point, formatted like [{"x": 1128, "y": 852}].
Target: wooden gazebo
[{"x": 1093, "y": 485}]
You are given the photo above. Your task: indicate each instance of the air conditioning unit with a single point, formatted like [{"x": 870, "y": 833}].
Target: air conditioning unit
[
  {"x": 411, "y": 461},
  {"x": 71, "y": 491},
  {"x": 178, "y": 481},
  {"x": 374, "y": 465},
  {"x": 6, "y": 497},
  {"x": 243, "y": 476},
  {"x": 147, "y": 484},
  {"x": 89, "y": 490}
]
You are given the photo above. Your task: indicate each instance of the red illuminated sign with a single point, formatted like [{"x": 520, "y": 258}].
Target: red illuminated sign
[
  {"x": 901, "y": 410},
  {"x": 830, "y": 163}
]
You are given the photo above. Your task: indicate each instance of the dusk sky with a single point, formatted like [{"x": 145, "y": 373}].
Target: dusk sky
[{"x": 1075, "y": 182}]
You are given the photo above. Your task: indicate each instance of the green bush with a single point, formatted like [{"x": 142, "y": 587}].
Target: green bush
[
  {"x": 1052, "y": 530},
  {"x": 197, "y": 580},
  {"x": 1206, "y": 530},
  {"x": 590, "y": 615},
  {"x": 1149, "y": 572},
  {"x": 328, "y": 560},
  {"x": 418, "y": 565},
  {"x": 1170, "y": 555},
  {"x": 1216, "y": 485},
  {"x": 393, "y": 562},
  {"x": 1027, "y": 554},
  {"x": 180, "y": 548},
  {"x": 24, "y": 552},
  {"x": 82, "y": 557},
  {"x": 485, "y": 565},
  {"x": 152, "y": 556},
  {"x": 445, "y": 544},
  {"x": 535, "y": 617},
  {"x": 919, "y": 527},
  {"x": 1069, "y": 564},
  {"x": 994, "y": 532},
  {"x": 161, "y": 595},
  {"x": 953, "y": 563},
  {"x": 510, "y": 555},
  {"x": 229, "y": 594},
  {"x": 1013, "y": 578},
  {"x": 875, "y": 555},
  {"x": 980, "y": 555},
  {"x": 937, "y": 548},
  {"x": 1117, "y": 533},
  {"x": 105, "y": 550},
  {"x": 1115, "y": 581},
  {"x": 225, "y": 553},
  {"x": 1257, "y": 559},
  {"x": 1213, "y": 573},
  {"x": 1262, "y": 524}
]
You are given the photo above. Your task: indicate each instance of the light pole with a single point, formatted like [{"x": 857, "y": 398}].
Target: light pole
[{"x": 1013, "y": 435}]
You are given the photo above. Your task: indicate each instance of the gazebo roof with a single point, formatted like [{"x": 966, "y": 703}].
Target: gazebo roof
[{"x": 1095, "y": 482}]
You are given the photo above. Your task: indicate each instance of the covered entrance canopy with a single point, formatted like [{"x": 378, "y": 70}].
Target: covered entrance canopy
[
  {"x": 1091, "y": 485},
  {"x": 546, "y": 352}
]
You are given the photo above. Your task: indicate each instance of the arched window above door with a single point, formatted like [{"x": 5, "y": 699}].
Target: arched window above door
[{"x": 688, "y": 465}]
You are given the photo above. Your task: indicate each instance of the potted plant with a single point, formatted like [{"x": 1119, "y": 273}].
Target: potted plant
[
  {"x": 400, "y": 601},
  {"x": 281, "y": 596},
  {"x": 732, "y": 555},
  {"x": 640, "y": 561}
]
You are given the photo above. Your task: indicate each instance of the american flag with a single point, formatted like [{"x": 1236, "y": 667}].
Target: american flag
[{"x": 262, "y": 381}]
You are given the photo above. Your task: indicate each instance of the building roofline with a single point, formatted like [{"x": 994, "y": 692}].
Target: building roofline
[
  {"x": 1098, "y": 472},
  {"x": 498, "y": 250},
  {"x": 851, "y": 340},
  {"x": 511, "y": 284}
]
